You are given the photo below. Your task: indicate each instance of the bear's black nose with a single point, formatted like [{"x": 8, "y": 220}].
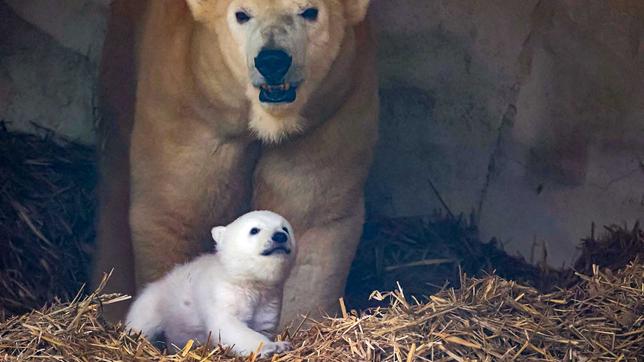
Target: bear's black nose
[
  {"x": 280, "y": 237},
  {"x": 273, "y": 64}
]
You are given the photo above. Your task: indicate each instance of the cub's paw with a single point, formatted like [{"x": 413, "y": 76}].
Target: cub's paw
[{"x": 272, "y": 348}]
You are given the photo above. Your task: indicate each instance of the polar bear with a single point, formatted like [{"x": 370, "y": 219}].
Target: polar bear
[
  {"x": 233, "y": 295},
  {"x": 215, "y": 107}
]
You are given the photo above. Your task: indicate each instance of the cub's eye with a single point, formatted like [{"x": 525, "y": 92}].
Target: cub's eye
[
  {"x": 254, "y": 231},
  {"x": 242, "y": 17},
  {"x": 285, "y": 229},
  {"x": 310, "y": 14}
]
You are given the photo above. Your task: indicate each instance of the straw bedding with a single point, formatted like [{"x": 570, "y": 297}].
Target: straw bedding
[
  {"x": 46, "y": 213},
  {"x": 488, "y": 319},
  {"x": 46, "y": 219}
]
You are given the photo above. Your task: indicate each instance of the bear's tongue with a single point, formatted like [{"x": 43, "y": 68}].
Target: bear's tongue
[{"x": 281, "y": 93}]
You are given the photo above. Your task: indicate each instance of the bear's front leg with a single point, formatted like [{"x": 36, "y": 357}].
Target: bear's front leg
[
  {"x": 117, "y": 86},
  {"x": 184, "y": 181},
  {"x": 324, "y": 204},
  {"x": 319, "y": 276}
]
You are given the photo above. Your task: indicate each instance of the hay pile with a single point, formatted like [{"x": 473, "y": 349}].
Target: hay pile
[
  {"x": 492, "y": 319},
  {"x": 427, "y": 254},
  {"x": 46, "y": 219},
  {"x": 488, "y": 319}
]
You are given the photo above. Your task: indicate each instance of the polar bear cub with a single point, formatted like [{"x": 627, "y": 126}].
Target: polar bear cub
[{"x": 235, "y": 294}]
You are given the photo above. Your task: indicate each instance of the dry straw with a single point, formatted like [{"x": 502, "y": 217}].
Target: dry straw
[
  {"x": 46, "y": 219},
  {"x": 488, "y": 319}
]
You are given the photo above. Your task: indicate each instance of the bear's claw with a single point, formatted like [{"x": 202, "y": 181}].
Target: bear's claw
[{"x": 272, "y": 348}]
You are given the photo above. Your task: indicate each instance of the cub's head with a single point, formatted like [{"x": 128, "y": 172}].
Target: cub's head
[
  {"x": 278, "y": 50},
  {"x": 258, "y": 245}
]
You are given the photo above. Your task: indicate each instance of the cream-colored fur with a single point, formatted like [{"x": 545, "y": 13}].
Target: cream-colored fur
[
  {"x": 233, "y": 297},
  {"x": 203, "y": 148}
]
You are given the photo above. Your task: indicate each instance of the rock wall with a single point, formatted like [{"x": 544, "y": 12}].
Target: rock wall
[
  {"x": 528, "y": 113},
  {"x": 48, "y": 73}
]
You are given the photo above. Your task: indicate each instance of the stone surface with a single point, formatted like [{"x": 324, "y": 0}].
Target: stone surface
[
  {"x": 78, "y": 25},
  {"x": 528, "y": 113},
  {"x": 43, "y": 83}
]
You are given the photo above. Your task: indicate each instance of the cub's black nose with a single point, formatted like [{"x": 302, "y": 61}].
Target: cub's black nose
[
  {"x": 273, "y": 64},
  {"x": 280, "y": 237}
]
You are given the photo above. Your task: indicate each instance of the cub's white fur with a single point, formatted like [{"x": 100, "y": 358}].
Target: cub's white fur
[{"x": 234, "y": 294}]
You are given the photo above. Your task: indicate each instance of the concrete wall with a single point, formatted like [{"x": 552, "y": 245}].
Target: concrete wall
[
  {"x": 48, "y": 73},
  {"x": 529, "y": 113}
]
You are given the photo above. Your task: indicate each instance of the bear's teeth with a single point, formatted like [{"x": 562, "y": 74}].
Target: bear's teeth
[{"x": 281, "y": 87}]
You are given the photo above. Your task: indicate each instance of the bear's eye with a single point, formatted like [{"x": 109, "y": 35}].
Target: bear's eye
[
  {"x": 254, "y": 231},
  {"x": 242, "y": 17},
  {"x": 310, "y": 14},
  {"x": 285, "y": 229}
]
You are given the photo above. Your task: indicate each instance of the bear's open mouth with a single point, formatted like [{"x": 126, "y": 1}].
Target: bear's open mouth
[
  {"x": 276, "y": 250},
  {"x": 277, "y": 93}
]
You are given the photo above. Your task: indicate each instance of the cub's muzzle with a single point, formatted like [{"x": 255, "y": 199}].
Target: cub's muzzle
[
  {"x": 280, "y": 237},
  {"x": 279, "y": 244}
]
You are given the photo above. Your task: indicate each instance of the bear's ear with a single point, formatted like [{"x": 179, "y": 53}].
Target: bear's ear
[
  {"x": 355, "y": 10},
  {"x": 200, "y": 9},
  {"x": 218, "y": 234}
]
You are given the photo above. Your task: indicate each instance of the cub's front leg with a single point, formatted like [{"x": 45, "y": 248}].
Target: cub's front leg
[
  {"x": 244, "y": 340},
  {"x": 267, "y": 316}
]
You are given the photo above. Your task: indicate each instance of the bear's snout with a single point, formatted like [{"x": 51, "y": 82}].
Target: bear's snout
[
  {"x": 273, "y": 64},
  {"x": 280, "y": 237}
]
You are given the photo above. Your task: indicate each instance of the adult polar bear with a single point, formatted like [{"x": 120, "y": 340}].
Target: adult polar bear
[{"x": 238, "y": 104}]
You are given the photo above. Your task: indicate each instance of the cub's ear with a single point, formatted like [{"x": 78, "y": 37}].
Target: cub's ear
[
  {"x": 355, "y": 10},
  {"x": 201, "y": 9},
  {"x": 218, "y": 234}
]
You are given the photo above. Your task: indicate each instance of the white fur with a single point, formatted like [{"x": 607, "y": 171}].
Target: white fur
[
  {"x": 313, "y": 45},
  {"x": 234, "y": 294}
]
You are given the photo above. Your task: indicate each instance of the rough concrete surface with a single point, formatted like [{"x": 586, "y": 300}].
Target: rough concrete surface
[
  {"x": 43, "y": 82},
  {"x": 528, "y": 113}
]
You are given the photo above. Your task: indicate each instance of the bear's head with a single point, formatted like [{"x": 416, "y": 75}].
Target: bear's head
[
  {"x": 279, "y": 51},
  {"x": 258, "y": 246}
]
